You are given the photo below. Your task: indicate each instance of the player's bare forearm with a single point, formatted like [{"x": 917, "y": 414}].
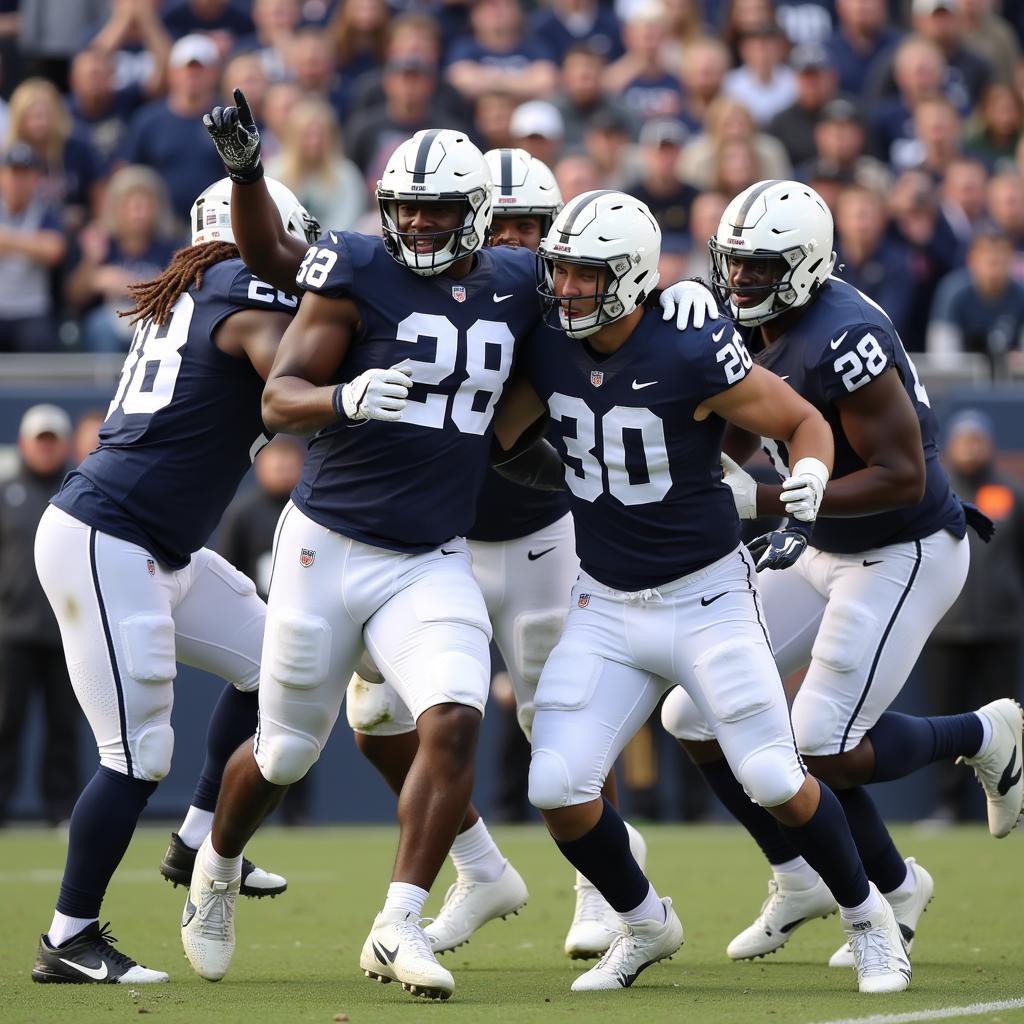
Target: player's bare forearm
[
  {"x": 519, "y": 409},
  {"x": 292, "y": 405},
  {"x": 266, "y": 248}
]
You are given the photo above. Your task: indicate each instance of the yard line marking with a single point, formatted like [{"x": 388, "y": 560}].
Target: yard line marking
[{"x": 973, "y": 1010}]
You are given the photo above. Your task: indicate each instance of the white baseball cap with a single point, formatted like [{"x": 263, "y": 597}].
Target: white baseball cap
[
  {"x": 194, "y": 49},
  {"x": 537, "y": 117},
  {"x": 45, "y": 419}
]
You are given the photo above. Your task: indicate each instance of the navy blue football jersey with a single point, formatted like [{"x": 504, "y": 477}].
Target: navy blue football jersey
[
  {"x": 508, "y": 510},
  {"x": 644, "y": 477},
  {"x": 183, "y": 426},
  {"x": 412, "y": 485},
  {"x": 842, "y": 342}
]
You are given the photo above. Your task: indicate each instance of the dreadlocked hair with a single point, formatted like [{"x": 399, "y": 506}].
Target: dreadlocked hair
[{"x": 155, "y": 299}]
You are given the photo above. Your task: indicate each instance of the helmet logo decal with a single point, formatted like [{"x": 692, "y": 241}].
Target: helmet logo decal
[
  {"x": 420, "y": 168},
  {"x": 506, "y": 172},
  {"x": 580, "y": 206},
  {"x": 739, "y": 226}
]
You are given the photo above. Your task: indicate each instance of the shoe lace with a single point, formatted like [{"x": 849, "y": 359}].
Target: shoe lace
[
  {"x": 411, "y": 931},
  {"x": 772, "y": 902},
  {"x": 870, "y": 952},
  {"x": 590, "y": 904},
  {"x": 105, "y": 940},
  {"x": 216, "y": 912},
  {"x": 617, "y": 956}
]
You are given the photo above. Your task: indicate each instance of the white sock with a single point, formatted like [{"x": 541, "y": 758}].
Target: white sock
[
  {"x": 196, "y": 827},
  {"x": 652, "y": 909},
  {"x": 798, "y": 874},
  {"x": 906, "y": 887},
  {"x": 63, "y": 927},
  {"x": 476, "y": 855},
  {"x": 986, "y": 733},
  {"x": 406, "y": 898},
  {"x": 220, "y": 869},
  {"x": 870, "y": 906}
]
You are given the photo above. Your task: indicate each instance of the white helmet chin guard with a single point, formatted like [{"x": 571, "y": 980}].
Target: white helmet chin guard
[
  {"x": 613, "y": 232},
  {"x": 435, "y": 165},
  {"x": 523, "y": 186},
  {"x": 774, "y": 220},
  {"x": 210, "y": 216}
]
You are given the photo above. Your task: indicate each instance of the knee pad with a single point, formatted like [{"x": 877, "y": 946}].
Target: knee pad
[
  {"x": 298, "y": 649},
  {"x": 148, "y": 644},
  {"x": 681, "y": 718},
  {"x": 153, "y": 750},
  {"x": 816, "y": 723},
  {"x": 840, "y": 645},
  {"x": 550, "y": 782},
  {"x": 285, "y": 757},
  {"x": 771, "y": 776},
  {"x": 535, "y": 635},
  {"x": 375, "y": 708},
  {"x": 738, "y": 679}
]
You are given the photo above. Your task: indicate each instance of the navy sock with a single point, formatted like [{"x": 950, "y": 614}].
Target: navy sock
[
  {"x": 233, "y": 721},
  {"x": 826, "y": 844},
  {"x": 903, "y": 743},
  {"x": 882, "y": 861},
  {"x": 603, "y": 857},
  {"x": 755, "y": 819},
  {"x": 102, "y": 825}
]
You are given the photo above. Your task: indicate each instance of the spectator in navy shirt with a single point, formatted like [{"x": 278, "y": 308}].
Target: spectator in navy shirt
[
  {"x": 226, "y": 20},
  {"x": 839, "y": 140},
  {"x": 275, "y": 22},
  {"x": 763, "y": 83},
  {"x": 569, "y": 23},
  {"x": 668, "y": 198},
  {"x": 816, "y": 85},
  {"x": 358, "y": 33},
  {"x": 997, "y": 128},
  {"x": 499, "y": 56},
  {"x": 963, "y": 199},
  {"x": 136, "y": 40},
  {"x": 1005, "y": 201},
  {"x": 312, "y": 66},
  {"x": 967, "y": 73},
  {"x": 703, "y": 67},
  {"x": 582, "y": 96},
  {"x": 867, "y": 257},
  {"x": 859, "y": 39},
  {"x": 938, "y": 129},
  {"x": 169, "y": 136}
]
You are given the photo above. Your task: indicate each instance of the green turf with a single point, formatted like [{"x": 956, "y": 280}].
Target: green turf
[{"x": 297, "y": 955}]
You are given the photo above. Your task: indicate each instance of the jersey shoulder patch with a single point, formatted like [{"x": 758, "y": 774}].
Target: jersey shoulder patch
[{"x": 854, "y": 356}]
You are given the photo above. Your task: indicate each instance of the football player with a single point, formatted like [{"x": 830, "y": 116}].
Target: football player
[
  {"x": 887, "y": 557},
  {"x": 120, "y": 556},
  {"x": 666, "y": 593}
]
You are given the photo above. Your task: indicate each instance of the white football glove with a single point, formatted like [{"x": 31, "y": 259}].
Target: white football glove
[
  {"x": 743, "y": 486},
  {"x": 686, "y": 299},
  {"x": 803, "y": 490},
  {"x": 377, "y": 394}
]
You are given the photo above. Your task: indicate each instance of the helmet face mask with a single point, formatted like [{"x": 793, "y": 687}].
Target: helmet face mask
[
  {"x": 210, "y": 215},
  {"x": 435, "y": 166}
]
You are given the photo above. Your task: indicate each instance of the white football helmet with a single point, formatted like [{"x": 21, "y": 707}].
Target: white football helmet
[
  {"x": 210, "y": 216},
  {"x": 439, "y": 165},
  {"x": 776, "y": 220},
  {"x": 523, "y": 186},
  {"x": 612, "y": 231}
]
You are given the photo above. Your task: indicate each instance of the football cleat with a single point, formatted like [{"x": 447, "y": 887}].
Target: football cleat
[
  {"x": 879, "y": 952},
  {"x": 90, "y": 958},
  {"x": 633, "y": 950},
  {"x": 907, "y": 908},
  {"x": 999, "y": 768},
  {"x": 398, "y": 950},
  {"x": 468, "y": 906},
  {"x": 785, "y": 910},
  {"x": 179, "y": 860},
  {"x": 208, "y": 923}
]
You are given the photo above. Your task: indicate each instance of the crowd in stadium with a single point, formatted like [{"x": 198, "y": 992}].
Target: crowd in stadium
[{"x": 905, "y": 115}]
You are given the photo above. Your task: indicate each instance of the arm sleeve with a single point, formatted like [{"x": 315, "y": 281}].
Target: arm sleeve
[{"x": 853, "y": 357}]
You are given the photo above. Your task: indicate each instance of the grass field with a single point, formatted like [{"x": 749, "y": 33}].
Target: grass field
[{"x": 297, "y": 955}]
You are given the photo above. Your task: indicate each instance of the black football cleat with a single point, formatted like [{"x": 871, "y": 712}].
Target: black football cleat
[
  {"x": 179, "y": 860},
  {"x": 90, "y": 959}
]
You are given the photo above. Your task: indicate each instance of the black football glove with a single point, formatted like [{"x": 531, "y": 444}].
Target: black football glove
[
  {"x": 234, "y": 133},
  {"x": 778, "y": 549},
  {"x": 978, "y": 521}
]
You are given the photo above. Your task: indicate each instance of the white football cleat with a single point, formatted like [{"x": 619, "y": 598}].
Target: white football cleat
[
  {"x": 595, "y": 925},
  {"x": 785, "y": 910},
  {"x": 468, "y": 906},
  {"x": 908, "y": 910},
  {"x": 632, "y": 951},
  {"x": 398, "y": 950},
  {"x": 999, "y": 768},
  {"x": 879, "y": 952},
  {"x": 208, "y": 922}
]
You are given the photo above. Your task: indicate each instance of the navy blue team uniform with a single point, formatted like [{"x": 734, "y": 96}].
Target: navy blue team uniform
[
  {"x": 664, "y": 513},
  {"x": 412, "y": 485},
  {"x": 162, "y": 479}
]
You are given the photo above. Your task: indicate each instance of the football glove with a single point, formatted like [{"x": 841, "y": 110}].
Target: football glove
[
  {"x": 689, "y": 299},
  {"x": 376, "y": 394},
  {"x": 778, "y": 549},
  {"x": 743, "y": 487},
  {"x": 803, "y": 490},
  {"x": 234, "y": 133}
]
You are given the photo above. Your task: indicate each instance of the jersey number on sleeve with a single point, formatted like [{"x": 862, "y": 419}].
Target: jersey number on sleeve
[
  {"x": 735, "y": 359},
  {"x": 151, "y": 368},
  {"x": 315, "y": 267},
  {"x": 646, "y": 437}
]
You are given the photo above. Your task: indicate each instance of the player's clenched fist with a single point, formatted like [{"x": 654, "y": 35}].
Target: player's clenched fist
[
  {"x": 376, "y": 394},
  {"x": 803, "y": 490},
  {"x": 234, "y": 133}
]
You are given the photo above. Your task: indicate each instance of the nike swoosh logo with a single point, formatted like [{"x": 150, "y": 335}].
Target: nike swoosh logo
[
  {"x": 711, "y": 600},
  {"x": 334, "y": 237},
  {"x": 785, "y": 378},
  {"x": 502, "y": 298},
  {"x": 717, "y": 336},
  {"x": 838, "y": 341},
  {"x": 640, "y": 387},
  {"x": 455, "y": 552},
  {"x": 1009, "y": 777},
  {"x": 383, "y": 954},
  {"x": 534, "y": 555},
  {"x": 879, "y": 561},
  {"x": 791, "y": 925},
  {"x": 96, "y": 973}
]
